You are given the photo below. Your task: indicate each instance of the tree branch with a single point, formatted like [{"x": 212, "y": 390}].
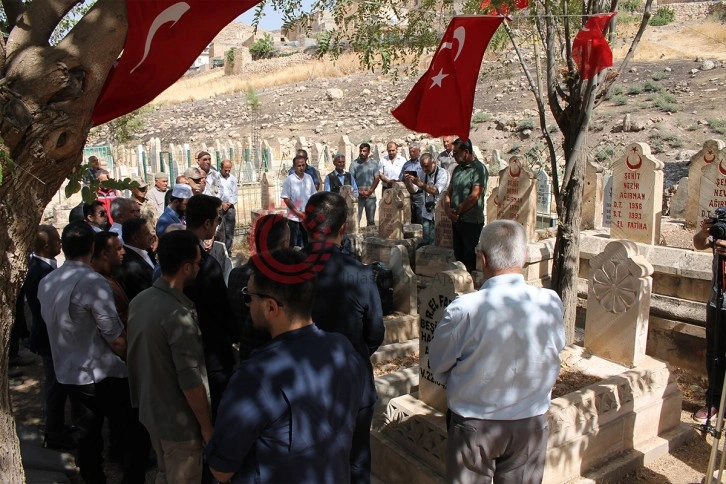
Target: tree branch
[
  {"x": 13, "y": 11},
  {"x": 611, "y": 78},
  {"x": 552, "y": 84},
  {"x": 568, "y": 36},
  {"x": 38, "y": 23}
]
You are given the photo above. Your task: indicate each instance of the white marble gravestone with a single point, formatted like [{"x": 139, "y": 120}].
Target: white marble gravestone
[
  {"x": 618, "y": 303},
  {"x": 705, "y": 157},
  {"x": 637, "y": 196}
]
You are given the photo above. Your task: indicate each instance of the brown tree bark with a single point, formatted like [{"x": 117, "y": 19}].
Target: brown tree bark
[{"x": 47, "y": 95}]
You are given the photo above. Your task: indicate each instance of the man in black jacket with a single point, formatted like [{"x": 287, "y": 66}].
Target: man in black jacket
[
  {"x": 135, "y": 273},
  {"x": 357, "y": 312},
  {"x": 42, "y": 262},
  {"x": 209, "y": 294}
]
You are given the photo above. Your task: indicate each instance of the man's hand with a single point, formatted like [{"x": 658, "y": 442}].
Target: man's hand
[
  {"x": 701, "y": 238},
  {"x": 225, "y": 206},
  {"x": 452, "y": 213},
  {"x": 207, "y": 434},
  {"x": 719, "y": 247}
]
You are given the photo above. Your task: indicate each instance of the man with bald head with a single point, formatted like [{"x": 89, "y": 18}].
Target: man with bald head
[
  {"x": 446, "y": 158},
  {"x": 228, "y": 195}
]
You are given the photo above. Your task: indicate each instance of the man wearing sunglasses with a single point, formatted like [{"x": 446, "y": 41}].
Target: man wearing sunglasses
[{"x": 289, "y": 411}]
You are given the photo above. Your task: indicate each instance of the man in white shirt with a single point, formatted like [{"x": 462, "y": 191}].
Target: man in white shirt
[
  {"x": 433, "y": 184},
  {"x": 296, "y": 190},
  {"x": 204, "y": 160},
  {"x": 88, "y": 342},
  {"x": 497, "y": 350},
  {"x": 390, "y": 165},
  {"x": 228, "y": 195},
  {"x": 123, "y": 209},
  {"x": 446, "y": 158}
]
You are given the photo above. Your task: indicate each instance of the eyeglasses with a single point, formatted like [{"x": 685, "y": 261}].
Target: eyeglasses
[{"x": 248, "y": 296}]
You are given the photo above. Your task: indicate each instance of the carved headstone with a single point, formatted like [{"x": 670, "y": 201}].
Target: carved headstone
[
  {"x": 404, "y": 281},
  {"x": 492, "y": 206},
  {"x": 268, "y": 198},
  {"x": 544, "y": 192},
  {"x": 637, "y": 196},
  {"x": 705, "y": 157},
  {"x": 345, "y": 147},
  {"x": 607, "y": 200},
  {"x": 517, "y": 194},
  {"x": 679, "y": 201},
  {"x": 442, "y": 228},
  {"x": 434, "y": 299},
  {"x": 713, "y": 186},
  {"x": 618, "y": 303},
  {"x": 592, "y": 197},
  {"x": 392, "y": 213},
  {"x": 346, "y": 191}
]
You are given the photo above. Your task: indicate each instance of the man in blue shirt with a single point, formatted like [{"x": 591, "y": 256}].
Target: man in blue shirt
[
  {"x": 174, "y": 212},
  {"x": 339, "y": 177},
  {"x": 498, "y": 352},
  {"x": 289, "y": 411}
]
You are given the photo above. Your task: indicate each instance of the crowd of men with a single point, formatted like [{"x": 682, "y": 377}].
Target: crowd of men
[{"x": 264, "y": 374}]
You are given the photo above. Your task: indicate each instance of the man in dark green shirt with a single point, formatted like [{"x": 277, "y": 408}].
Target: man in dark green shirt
[{"x": 465, "y": 202}]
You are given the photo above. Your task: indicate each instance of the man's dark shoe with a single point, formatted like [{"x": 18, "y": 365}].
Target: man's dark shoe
[{"x": 60, "y": 441}]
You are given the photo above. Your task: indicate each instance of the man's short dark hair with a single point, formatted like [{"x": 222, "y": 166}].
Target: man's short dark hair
[
  {"x": 297, "y": 299},
  {"x": 90, "y": 208},
  {"x": 325, "y": 214},
  {"x": 77, "y": 240},
  {"x": 464, "y": 145},
  {"x": 302, "y": 152},
  {"x": 364, "y": 145},
  {"x": 45, "y": 233},
  {"x": 100, "y": 241},
  {"x": 131, "y": 228},
  {"x": 175, "y": 249},
  {"x": 275, "y": 225},
  {"x": 201, "y": 208},
  {"x": 299, "y": 157}
]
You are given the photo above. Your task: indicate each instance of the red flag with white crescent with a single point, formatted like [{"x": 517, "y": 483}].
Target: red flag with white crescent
[
  {"x": 164, "y": 38},
  {"x": 441, "y": 102},
  {"x": 590, "y": 50}
]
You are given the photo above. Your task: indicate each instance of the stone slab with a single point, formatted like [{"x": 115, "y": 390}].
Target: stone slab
[
  {"x": 395, "y": 350},
  {"x": 401, "y": 328},
  {"x": 431, "y": 259}
]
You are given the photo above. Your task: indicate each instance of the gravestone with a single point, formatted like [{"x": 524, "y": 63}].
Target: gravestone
[
  {"x": 517, "y": 195},
  {"x": 345, "y": 147},
  {"x": 404, "y": 281},
  {"x": 303, "y": 144},
  {"x": 268, "y": 195},
  {"x": 434, "y": 299},
  {"x": 592, "y": 203},
  {"x": 607, "y": 200},
  {"x": 391, "y": 211},
  {"x": 492, "y": 209},
  {"x": 442, "y": 227},
  {"x": 618, "y": 303},
  {"x": 351, "y": 201},
  {"x": 679, "y": 201},
  {"x": 316, "y": 150},
  {"x": 544, "y": 192},
  {"x": 713, "y": 186},
  {"x": 705, "y": 157},
  {"x": 637, "y": 196}
]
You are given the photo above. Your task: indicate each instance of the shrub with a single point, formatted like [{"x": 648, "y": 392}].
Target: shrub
[
  {"x": 615, "y": 91},
  {"x": 481, "y": 118},
  {"x": 651, "y": 86},
  {"x": 631, "y": 5},
  {"x": 665, "y": 102},
  {"x": 663, "y": 16},
  {"x": 694, "y": 127},
  {"x": 660, "y": 75},
  {"x": 263, "y": 48},
  {"x": 525, "y": 124},
  {"x": 717, "y": 125},
  {"x": 619, "y": 100},
  {"x": 604, "y": 153},
  {"x": 635, "y": 89}
]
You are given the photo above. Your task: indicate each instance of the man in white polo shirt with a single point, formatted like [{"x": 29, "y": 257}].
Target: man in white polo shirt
[{"x": 296, "y": 190}]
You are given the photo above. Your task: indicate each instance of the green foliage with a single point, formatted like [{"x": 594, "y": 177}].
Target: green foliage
[
  {"x": 660, "y": 75},
  {"x": 481, "y": 118},
  {"x": 229, "y": 57},
  {"x": 635, "y": 89},
  {"x": 652, "y": 86},
  {"x": 605, "y": 153},
  {"x": 619, "y": 100},
  {"x": 614, "y": 91},
  {"x": 553, "y": 128},
  {"x": 88, "y": 192},
  {"x": 659, "y": 140},
  {"x": 663, "y": 16},
  {"x": 252, "y": 99},
  {"x": 632, "y": 6},
  {"x": 122, "y": 129},
  {"x": 665, "y": 102},
  {"x": 694, "y": 127},
  {"x": 263, "y": 48},
  {"x": 525, "y": 124},
  {"x": 717, "y": 125}
]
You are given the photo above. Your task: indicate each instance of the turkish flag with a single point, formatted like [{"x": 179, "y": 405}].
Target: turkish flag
[
  {"x": 442, "y": 100},
  {"x": 503, "y": 8},
  {"x": 590, "y": 50},
  {"x": 164, "y": 38}
]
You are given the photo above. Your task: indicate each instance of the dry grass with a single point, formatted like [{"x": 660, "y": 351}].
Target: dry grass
[
  {"x": 213, "y": 83},
  {"x": 675, "y": 41}
]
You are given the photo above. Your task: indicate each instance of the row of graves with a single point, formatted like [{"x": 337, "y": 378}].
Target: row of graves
[{"x": 635, "y": 296}]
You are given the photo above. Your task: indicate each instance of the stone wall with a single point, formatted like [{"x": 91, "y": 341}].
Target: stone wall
[{"x": 693, "y": 10}]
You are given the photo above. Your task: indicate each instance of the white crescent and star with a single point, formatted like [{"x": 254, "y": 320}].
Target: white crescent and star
[
  {"x": 460, "y": 38},
  {"x": 171, "y": 14}
]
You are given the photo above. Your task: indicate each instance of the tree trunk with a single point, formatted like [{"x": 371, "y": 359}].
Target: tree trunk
[{"x": 566, "y": 260}]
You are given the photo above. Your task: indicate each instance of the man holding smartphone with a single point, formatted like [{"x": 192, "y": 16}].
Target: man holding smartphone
[{"x": 410, "y": 171}]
